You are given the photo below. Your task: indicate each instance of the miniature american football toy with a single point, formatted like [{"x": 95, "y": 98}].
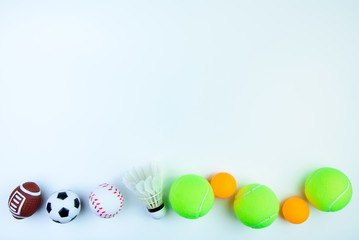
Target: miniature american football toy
[{"x": 25, "y": 200}]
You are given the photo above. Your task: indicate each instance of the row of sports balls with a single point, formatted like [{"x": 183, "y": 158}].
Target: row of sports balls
[
  {"x": 192, "y": 196},
  {"x": 64, "y": 206}
]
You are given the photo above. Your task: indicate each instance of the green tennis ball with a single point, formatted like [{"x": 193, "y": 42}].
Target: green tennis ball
[
  {"x": 256, "y": 206},
  {"x": 328, "y": 189},
  {"x": 191, "y": 196}
]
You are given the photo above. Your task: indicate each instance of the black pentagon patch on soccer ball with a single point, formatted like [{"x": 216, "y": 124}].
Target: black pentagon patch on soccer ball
[
  {"x": 73, "y": 218},
  {"x": 56, "y": 221},
  {"x": 62, "y": 195},
  {"x": 48, "y": 207},
  {"x": 64, "y": 212},
  {"x": 76, "y": 203}
]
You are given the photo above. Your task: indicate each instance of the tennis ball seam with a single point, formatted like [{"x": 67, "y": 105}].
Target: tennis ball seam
[
  {"x": 244, "y": 194},
  {"x": 310, "y": 179},
  {"x": 255, "y": 225},
  {"x": 174, "y": 190},
  {"x": 331, "y": 205},
  {"x": 204, "y": 198}
]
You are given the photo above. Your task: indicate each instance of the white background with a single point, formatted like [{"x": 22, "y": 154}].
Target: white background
[{"x": 266, "y": 90}]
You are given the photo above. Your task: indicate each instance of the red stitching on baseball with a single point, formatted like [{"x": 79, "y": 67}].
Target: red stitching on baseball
[{"x": 97, "y": 206}]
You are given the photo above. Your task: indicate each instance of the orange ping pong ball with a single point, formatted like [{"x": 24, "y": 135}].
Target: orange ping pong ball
[
  {"x": 295, "y": 210},
  {"x": 223, "y": 184}
]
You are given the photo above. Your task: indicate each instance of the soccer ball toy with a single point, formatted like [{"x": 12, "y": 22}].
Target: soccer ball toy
[{"x": 63, "y": 206}]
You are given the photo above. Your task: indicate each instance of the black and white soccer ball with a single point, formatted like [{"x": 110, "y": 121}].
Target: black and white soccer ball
[{"x": 63, "y": 206}]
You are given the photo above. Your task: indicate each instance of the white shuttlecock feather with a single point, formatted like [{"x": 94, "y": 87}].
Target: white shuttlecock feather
[{"x": 146, "y": 182}]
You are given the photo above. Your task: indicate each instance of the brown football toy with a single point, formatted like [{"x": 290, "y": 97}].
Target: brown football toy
[{"x": 25, "y": 200}]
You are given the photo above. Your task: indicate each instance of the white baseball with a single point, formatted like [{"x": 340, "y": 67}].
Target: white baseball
[{"x": 106, "y": 201}]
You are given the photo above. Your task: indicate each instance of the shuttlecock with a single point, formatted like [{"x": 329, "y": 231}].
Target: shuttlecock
[{"x": 146, "y": 183}]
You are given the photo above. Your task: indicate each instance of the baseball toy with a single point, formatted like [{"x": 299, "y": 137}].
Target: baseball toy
[
  {"x": 328, "y": 189},
  {"x": 191, "y": 196},
  {"x": 106, "y": 201},
  {"x": 223, "y": 184},
  {"x": 25, "y": 200},
  {"x": 295, "y": 210},
  {"x": 256, "y": 206},
  {"x": 63, "y": 206}
]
